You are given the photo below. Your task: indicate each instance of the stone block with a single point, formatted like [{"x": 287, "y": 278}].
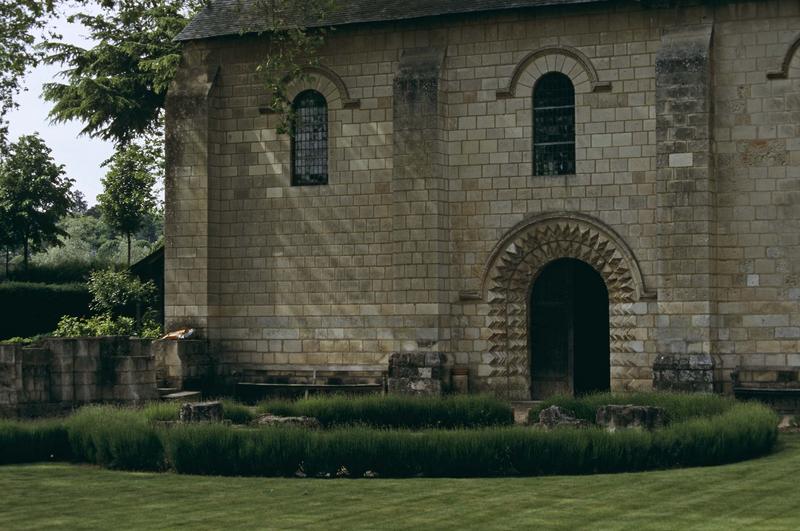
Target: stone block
[
  {"x": 415, "y": 386},
  {"x": 558, "y": 417},
  {"x": 299, "y": 422},
  {"x": 418, "y": 373},
  {"x": 683, "y": 372},
  {"x": 201, "y": 412},
  {"x": 614, "y": 417}
]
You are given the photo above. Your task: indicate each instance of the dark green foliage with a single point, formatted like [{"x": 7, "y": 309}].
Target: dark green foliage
[
  {"x": 126, "y": 439},
  {"x": 27, "y": 309},
  {"x": 106, "y": 325},
  {"x": 128, "y": 196},
  {"x": 124, "y": 304},
  {"x": 743, "y": 432},
  {"x": 219, "y": 450},
  {"x": 117, "y": 87},
  {"x": 34, "y": 196},
  {"x": 395, "y": 411},
  {"x": 66, "y": 272},
  {"x": 678, "y": 406},
  {"x": 115, "y": 438},
  {"x": 120, "y": 293},
  {"x": 20, "y": 20},
  {"x": 28, "y": 442}
]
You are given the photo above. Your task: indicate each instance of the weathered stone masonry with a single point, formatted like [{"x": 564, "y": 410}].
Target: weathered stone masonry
[{"x": 433, "y": 227}]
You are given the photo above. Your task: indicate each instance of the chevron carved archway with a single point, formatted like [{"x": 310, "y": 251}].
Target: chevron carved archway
[{"x": 513, "y": 267}]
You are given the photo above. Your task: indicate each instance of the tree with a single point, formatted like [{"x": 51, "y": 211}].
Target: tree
[
  {"x": 7, "y": 236},
  {"x": 79, "y": 204},
  {"x": 19, "y": 22},
  {"x": 128, "y": 196},
  {"x": 118, "y": 87},
  {"x": 34, "y": 195}
]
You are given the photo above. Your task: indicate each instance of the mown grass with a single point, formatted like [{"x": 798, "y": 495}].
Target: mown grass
[
  {"x": 755, "y": 494},
  {"x": 396, "y": 411}
]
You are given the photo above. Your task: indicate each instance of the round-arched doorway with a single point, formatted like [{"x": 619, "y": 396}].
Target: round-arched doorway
[{"x": 568, "y": 330}]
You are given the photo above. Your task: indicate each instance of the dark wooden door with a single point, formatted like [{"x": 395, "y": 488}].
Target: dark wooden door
[{"x": 568, "y": 332}]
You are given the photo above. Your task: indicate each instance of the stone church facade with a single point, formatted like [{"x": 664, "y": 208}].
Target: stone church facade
[{"x": 662, "y": 219}]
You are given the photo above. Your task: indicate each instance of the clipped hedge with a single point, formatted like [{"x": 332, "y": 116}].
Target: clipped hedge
[
  {"x": 126, "y": 439},
  {"x": 115, "y": 438},
  {"x": 28, "y": 309},
  {"x": 677, "y": 406},
  {"x": 397, "y": 411},
  {"x": 742, "y": 432},
  {"x": 63, "y": 272},
  {"x": 28, "y": 442}
]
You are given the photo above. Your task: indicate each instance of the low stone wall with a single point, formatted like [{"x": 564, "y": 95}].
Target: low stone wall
[
  {"x": 58, "y": 374},
  {"x": 184, "y": 364}
]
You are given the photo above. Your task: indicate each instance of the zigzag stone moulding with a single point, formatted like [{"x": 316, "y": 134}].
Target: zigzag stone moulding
[{"x": 517, "y": 261}]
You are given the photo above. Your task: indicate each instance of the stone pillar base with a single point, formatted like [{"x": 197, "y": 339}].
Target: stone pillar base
[
  {"x": 417, "y": 373},
  {"x": 692, "y": 373}
]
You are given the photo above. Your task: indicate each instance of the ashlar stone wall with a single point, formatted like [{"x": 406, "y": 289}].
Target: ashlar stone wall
[
  {"x": 686, "y": 149},
  {"x": 58, "y": 374}
]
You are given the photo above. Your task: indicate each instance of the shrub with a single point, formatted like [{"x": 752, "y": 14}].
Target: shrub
[
  {"x": 677, "y": 406},
  {"x": 28, "y": 309},
  {"x": 115, "y": 438},
  {"x": 22, "y": 340},
  {"x": 396, "y": 411},
  {"x": 106, "y": 325},
  {"x": 120, "y": 293},
  {"x": 28, "y": 442}
]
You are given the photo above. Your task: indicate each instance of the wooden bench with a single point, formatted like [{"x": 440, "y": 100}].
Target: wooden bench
[
  {"x": 778, "y": 387},
  {"x": 292, "y": 380}
]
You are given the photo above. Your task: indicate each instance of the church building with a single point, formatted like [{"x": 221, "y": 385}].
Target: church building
[{"x": 559, "y": 196}]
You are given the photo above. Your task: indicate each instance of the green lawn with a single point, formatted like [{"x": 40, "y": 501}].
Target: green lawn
[{"x": 763, "y": 493}]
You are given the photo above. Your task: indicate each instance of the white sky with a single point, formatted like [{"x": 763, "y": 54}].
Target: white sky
[{"x": 80, "y": 155}]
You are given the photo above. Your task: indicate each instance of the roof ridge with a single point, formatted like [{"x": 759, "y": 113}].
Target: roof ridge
[{"x": 232, "y": 17}]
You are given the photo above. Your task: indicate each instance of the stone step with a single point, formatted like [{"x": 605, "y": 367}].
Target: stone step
[
  {"x": 182, "y": 395},
  {"x": 167, "y": 390}
]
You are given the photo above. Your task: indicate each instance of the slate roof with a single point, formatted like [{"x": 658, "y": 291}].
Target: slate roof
[{"x": 232, "y": 17}]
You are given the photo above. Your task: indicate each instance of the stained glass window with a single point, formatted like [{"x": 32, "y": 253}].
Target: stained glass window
[
  {"x": 310, "y": 139},
  {"x": 554, "y": 125}
]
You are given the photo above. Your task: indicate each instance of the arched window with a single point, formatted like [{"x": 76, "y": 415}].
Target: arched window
[
  {"x": 310, "y": 139},
  {"x": 554, "y": 125}
]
